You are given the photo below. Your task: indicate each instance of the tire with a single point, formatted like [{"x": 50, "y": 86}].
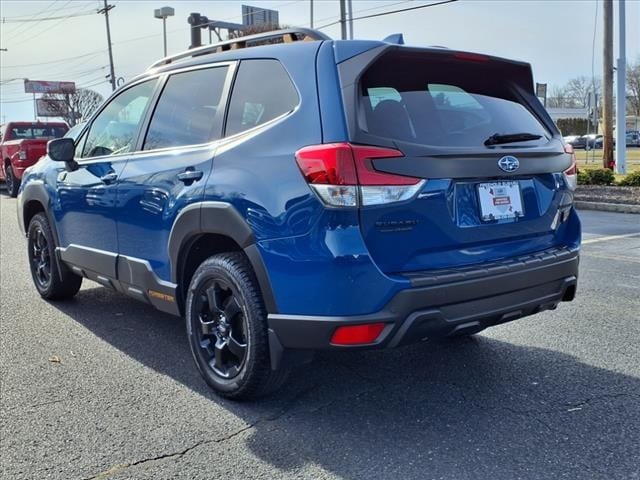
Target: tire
[
  {"x": 227, "y": 329},
  {"x": 13, "y": 183},
  {"x": 53, "y": 280}
]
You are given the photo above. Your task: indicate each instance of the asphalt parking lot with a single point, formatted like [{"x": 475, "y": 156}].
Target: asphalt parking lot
[{"x": 104, "y": 387}]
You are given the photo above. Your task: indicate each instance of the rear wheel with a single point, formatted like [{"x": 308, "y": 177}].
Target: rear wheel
[
  {"x": 13, "y": 183},
  {"x": 52, "y": 280},
  {"x": 227, "y": 329}
]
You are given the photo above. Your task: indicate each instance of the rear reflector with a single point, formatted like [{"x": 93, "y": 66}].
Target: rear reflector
[
  {"x": 357, "y": 334},
  {"x": 343, "y": 175}
]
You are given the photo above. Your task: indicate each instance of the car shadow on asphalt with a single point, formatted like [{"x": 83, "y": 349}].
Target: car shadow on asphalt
[{"x": 473, "y": 408}]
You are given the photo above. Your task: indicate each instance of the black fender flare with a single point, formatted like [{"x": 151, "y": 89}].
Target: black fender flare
[
  {"x": 219, "y": 218},
  {"x": 36, "y": 191}
]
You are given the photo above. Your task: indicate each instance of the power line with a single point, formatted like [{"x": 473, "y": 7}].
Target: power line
[
  {"x": 23, "y": 27},
  {"x": 392, "y": 12},
  {"x": 31, "y": 28},
  {"x": 46, "y": 19},
  {"x": 61, "y": 60},
  {"x": 17, "y": 101},
  {"x": 52, "y": 26},
  {"x": 364, "y": 10}
]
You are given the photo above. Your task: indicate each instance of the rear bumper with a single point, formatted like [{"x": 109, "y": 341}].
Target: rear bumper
[{"x": 447, "y": 302}]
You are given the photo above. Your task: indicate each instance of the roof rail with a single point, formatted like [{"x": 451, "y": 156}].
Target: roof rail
[{"x": 288, "y": 35}]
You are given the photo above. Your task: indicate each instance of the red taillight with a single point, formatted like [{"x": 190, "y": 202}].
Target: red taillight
[
  {"x": 471, "y": 57},
  {"x": 571, "y": 173},
  {"x": 343, "y": 175},
  {"x": 347, "y": 164},
  {"x": 572, "y": 170},
  {"x": 367, "y": 175},
  {"x": 357, "y": 334},
  {"x": 329, "y": 164}
]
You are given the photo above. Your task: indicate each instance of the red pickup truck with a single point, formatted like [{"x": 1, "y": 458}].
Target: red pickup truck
[{"x": 21, "y": 145}]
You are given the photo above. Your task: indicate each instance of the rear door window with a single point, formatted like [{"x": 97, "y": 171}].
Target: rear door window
[
  {"x": 262, "y": 91},
  {"x": 189, "y": 111},
  {"x": 433, "y": 101}
]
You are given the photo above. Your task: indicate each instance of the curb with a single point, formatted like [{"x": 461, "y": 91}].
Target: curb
[{"x": 607, "y": 207}]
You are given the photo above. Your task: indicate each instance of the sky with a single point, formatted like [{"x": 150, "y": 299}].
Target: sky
[{"x": 555, "y": 36}]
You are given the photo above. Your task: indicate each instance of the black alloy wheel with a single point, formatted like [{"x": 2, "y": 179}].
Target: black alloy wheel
[
  {"x": 226, "y": 324},
  {"x": 40, "y": 258},
  {"x": 222, "y": 328},
  {"x": 53, "y": 279}
]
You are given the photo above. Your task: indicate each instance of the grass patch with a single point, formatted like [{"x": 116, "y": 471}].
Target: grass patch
[{"x": 593, "y": 160}]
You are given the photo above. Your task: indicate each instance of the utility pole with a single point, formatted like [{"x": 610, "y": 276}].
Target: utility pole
[
  {"x": 621, "y": 94},
  {"x": 343, "y": 20},
  {"x": 112, "y": 75},
  {"x": 310, "y": 13},
  {"x": 607, "y": 86}
]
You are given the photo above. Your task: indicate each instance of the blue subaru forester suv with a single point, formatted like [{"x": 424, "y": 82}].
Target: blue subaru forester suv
[{"x": 304, "y": 195}]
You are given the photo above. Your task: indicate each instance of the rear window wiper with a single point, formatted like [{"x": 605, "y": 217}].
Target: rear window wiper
[{"x": 497, "y": 139}]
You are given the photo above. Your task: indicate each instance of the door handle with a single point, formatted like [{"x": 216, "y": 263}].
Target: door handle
[
  {"x": 190, "y": 175},
  {"x": 109, "y": 177}
]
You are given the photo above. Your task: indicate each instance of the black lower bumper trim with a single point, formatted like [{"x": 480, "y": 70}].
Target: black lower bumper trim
[{"x": 434, "y": 311}]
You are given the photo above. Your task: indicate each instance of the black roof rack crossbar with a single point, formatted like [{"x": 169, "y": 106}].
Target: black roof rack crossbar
[{"x": 288, "y": 35}]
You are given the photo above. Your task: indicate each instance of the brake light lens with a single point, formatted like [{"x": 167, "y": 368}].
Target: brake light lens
[
  {"x": 357, "y": 334},
  {"x": 343, "y": 175},
  {"x": 471, "y": 57},
  {"x": 571, "y": 173}
]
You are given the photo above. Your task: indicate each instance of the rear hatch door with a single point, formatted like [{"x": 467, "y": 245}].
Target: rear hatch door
[{"x": 471, "y": 127}]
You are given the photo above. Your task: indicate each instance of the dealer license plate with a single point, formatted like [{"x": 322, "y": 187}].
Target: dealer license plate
[{"x": 499, "y": 200}]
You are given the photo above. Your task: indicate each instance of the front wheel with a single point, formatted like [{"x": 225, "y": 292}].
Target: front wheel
[
  {"x": 52, "y": 280},
  {"x": 227, "y": 329},
  {"x": 13, "y": 183}
]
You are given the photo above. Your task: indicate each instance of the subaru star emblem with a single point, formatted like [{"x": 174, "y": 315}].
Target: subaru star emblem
[{"x": 509, "y": 163}]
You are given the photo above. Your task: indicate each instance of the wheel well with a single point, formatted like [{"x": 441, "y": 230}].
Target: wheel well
[
  {"x": 32, "y": 208},
  {"x": 196, "y": 251}
]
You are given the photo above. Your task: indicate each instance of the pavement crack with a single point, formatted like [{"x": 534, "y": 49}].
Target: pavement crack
[
  {"x": 605, "y": 396},
  {"x": 179, "y": 454},
  {"x": 122, "y": 466}
]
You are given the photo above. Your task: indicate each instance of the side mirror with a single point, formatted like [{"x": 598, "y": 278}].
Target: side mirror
[{"x": 61, "y": 149}]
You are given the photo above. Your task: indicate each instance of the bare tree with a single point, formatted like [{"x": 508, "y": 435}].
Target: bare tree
[
  {"x": 79, "y": 105},
  {"x": 633, "y": 88},
  {"x": 558, "y": 97},
  {"x": 577, "y": 91}
]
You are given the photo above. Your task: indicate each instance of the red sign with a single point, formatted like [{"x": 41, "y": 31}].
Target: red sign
[{"x": 38, "y": 86}]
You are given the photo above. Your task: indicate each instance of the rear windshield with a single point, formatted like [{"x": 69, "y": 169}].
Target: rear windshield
[
  {"x": 40, "y": 131},
  {"x": 438, "y": 100}
]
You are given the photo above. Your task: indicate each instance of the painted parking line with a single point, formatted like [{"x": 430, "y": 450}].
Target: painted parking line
[
  {"x": 608, "y": 256},
  {"x": 609, "y": 238}
]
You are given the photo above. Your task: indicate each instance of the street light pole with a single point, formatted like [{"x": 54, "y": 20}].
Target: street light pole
[
  {"x": 164, "y": 34},
  {"x": 163, "y": 13}
]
